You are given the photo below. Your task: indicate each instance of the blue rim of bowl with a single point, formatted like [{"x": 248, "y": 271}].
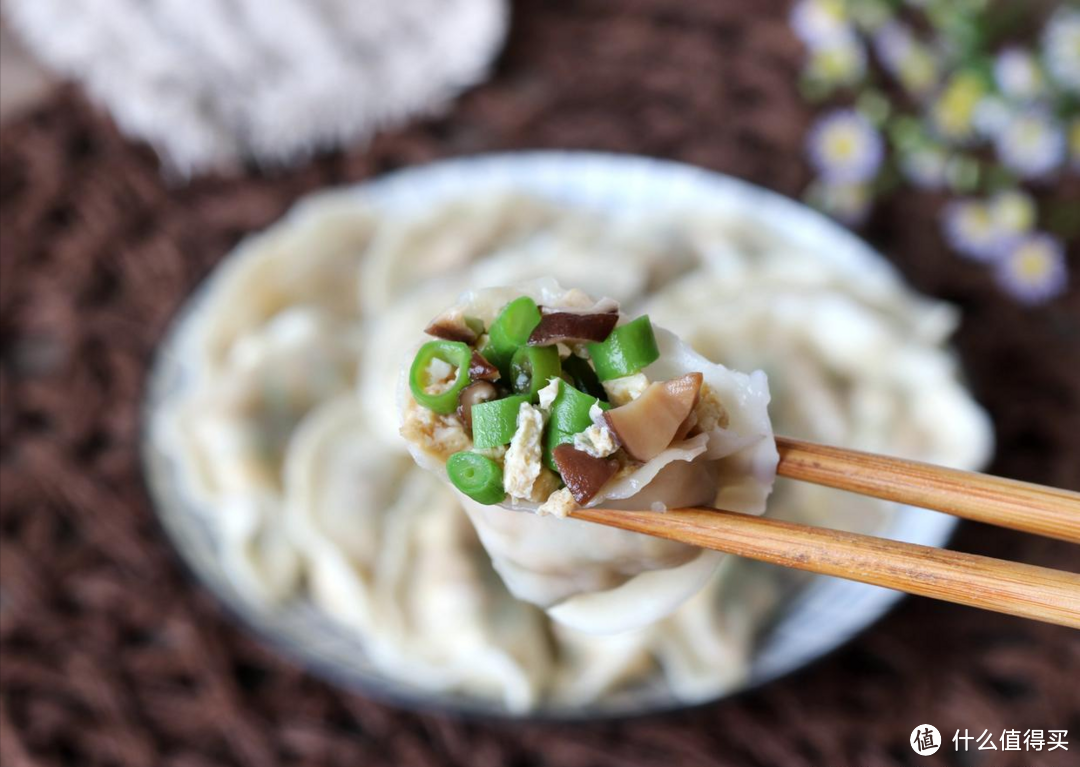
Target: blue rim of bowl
[{"x": 440, "y": 175}]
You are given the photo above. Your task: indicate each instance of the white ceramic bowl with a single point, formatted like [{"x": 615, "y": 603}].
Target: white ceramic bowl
[{"x": 815, "y": 619}]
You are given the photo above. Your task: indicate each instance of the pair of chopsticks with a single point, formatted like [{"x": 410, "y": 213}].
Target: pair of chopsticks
[{"x": 991, "y": 584}]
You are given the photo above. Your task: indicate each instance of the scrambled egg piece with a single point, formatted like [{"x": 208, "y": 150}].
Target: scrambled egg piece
[
  {"x": 546, "y": 484},
  {"x": 598, "y": 441},
  {"x": 441, "y": 376},
  {"x": 548, "y": 394},
  {"x": 523, "y": 458},
  {"x": 625, "y": 389},
  {"x": 438, "y": 435},
  {"x": 710, "y": 411},
  {"x": 559, "y": 504}
]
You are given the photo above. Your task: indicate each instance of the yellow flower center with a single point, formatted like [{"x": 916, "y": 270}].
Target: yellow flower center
[
  {"x": 956, "y": 106},
  {"x": 835, "y": 63},
  {"x": 842, "y": 144},
  {"x": 1030, "y": 134},
  {"x": 917, "y": 70},
  {"x": 978, "y": 223},
  {"x": 1014, "y": 212},
  {"x": 1032, "y": 263},
  {"x": 832, "y": 9}
]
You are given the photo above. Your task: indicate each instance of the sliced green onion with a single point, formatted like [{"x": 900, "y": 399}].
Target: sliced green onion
[
  {"x": 569, "y": 416},
  {"x": 532, "y": 367},
  {"x": 583, "y": 377},
  {"x": 477, "y": 476},
  {"x": 510, "y": 330},
  {"x": 570, "y": 410},
  {"x": 627, "y": 350},
  {"x": 494, "y": 423},
  {"x": 453, "y": 353}
]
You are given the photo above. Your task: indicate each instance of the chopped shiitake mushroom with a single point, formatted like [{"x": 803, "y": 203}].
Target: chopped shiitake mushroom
[
  {"x": 572, "y": 328},
  {"x": 646, "y": 426},
  {"x": 482, "y": 370},
  {"x": 583, "y": 474},
  {"x": 453, "y": 325}
]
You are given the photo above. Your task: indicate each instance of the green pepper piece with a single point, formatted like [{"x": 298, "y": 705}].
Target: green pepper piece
[
  {"x": 532, "y": 367},
  {"x": 477, "y": 476},
  {"x": 627, "y": 350},
  {"x": 510, "y": 330},
  {"x": 453, "y": 353},
  {"x": 494, "y": 423},
  {"x": 569, "y": 416},
  {"x": 583, "y": 377},
  {"x": 570, "y": 409}
]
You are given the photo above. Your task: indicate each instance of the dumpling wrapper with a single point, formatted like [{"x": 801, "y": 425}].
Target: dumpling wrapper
[
  {"x": 309, "y": 259},
  {"x": 388, "y": 553},
  {"x": 601, "y": 580}
]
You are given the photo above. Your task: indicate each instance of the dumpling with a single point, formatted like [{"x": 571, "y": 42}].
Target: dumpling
[
  {"x": 440, "y": 244},
  {"x": 536, "y": 400},
  {"x": 310, "y": 259},
  {"x": 388, "y": 553},
  {"x": 235, "y": 428}
]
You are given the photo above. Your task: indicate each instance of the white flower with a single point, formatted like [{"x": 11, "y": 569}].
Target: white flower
[
  {"x": 1017, "y": 74},
  {"x": 892, "y": 41},
  {"x": 991, "y": 115},
  {"x": 1034, "y": 270},
  {"x": 1061, "y": 48},
  {"x": 840, "y": 60},
  {"x": 970, "y": 229},
  {"x": 845, "y": 147},
  {"x": 986, "y": 230},
  {"x": 1032, "y": 144},
  {"x": 954, "y": 110},
  {"x": 905, "y": 57},
  {"x": 925, "y": 166},
  {"x": 1013, "y": 213},
  {"x": 817, "y": 22},
  {"x": 846, "y": 202}
]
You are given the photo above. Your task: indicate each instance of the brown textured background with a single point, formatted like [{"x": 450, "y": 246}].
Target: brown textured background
[{"x": 109, "y": 655}]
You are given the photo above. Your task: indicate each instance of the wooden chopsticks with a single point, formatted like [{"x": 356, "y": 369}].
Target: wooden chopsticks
[
  {"x": 980, "y": 497},
  {"x": 991, "y": 584}
]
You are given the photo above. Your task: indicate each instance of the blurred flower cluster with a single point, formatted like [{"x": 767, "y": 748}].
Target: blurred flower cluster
[{"x": 940, "y": 95}]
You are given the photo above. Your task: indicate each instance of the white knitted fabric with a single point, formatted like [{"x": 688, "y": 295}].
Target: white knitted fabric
[{"x": 212, "y": 82}]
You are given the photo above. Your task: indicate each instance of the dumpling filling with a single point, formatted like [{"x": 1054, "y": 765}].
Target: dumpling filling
[{"x": 543, "y": 400}]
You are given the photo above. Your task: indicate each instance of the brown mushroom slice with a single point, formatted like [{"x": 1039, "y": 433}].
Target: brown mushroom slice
[
  {"x": 482, "y": 370},
  {"x": 690, "y": 423},
  {"x": 474, "y": 394},
  {"x": 646, "y": 426},
  {"x": 583, "y": 474},
  {"x": 686, "y": 426},
  {"x": 573, "y": 328},
  {"x": 453, "y": 325}
]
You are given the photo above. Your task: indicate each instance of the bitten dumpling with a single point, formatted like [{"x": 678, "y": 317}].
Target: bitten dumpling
[{"x": 534, "y": 401}]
